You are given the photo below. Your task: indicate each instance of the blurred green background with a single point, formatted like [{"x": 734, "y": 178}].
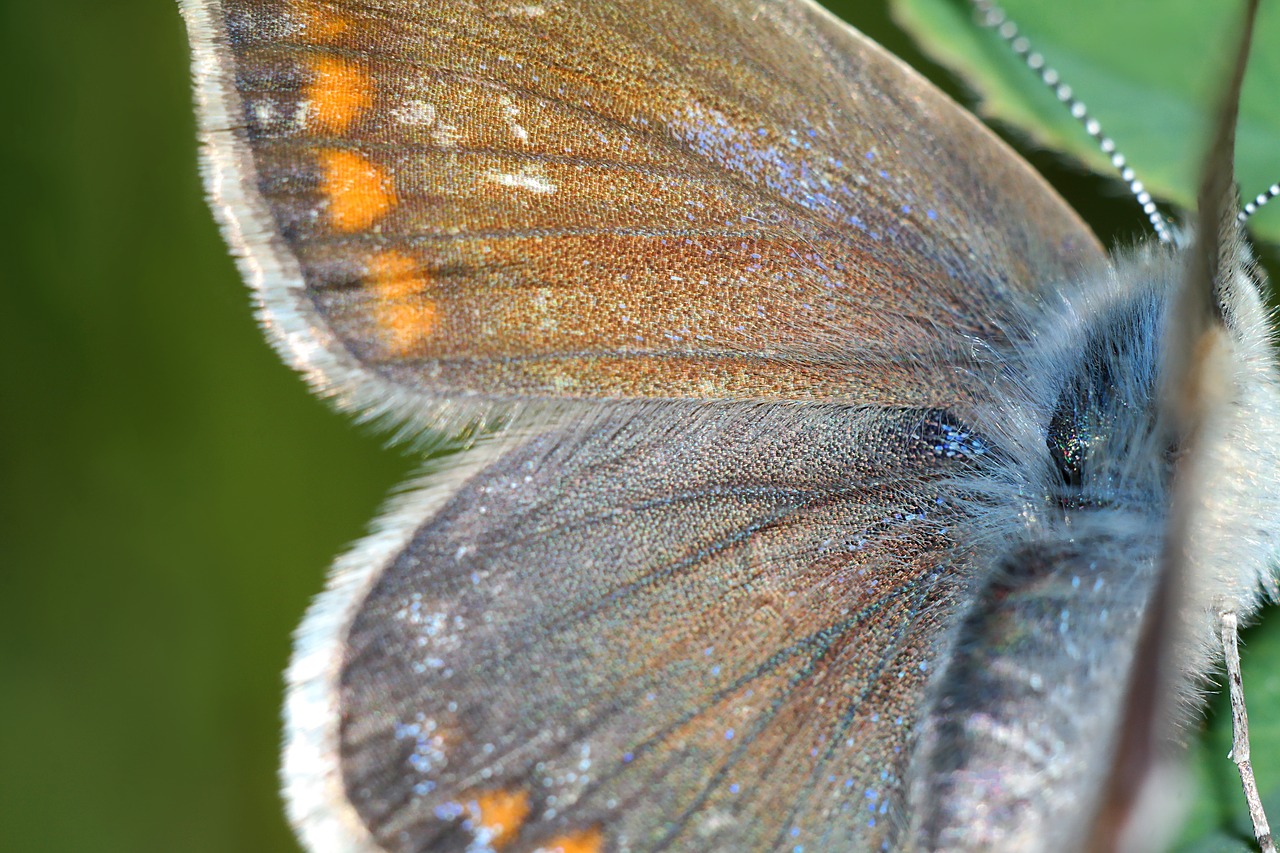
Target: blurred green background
[{"x": 172, "y": 496}]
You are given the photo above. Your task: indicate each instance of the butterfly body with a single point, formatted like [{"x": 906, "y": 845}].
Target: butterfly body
[
  {"x": 1022, "y": 727},
  {"x": 834, "y": 482}
]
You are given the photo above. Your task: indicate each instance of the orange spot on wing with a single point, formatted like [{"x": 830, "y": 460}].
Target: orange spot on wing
[
  {"x": 402, "y": 310},
  {"x": 359, "y": 191},
  {"x": 501, "y": 813},
  {"x": 338, "y": 93},
  {"x": 320, "y": 23},
  {"x": 587, "y": 841}
]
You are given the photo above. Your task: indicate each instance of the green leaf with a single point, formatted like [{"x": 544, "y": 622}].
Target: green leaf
[{"x": 1150, "y": 74}]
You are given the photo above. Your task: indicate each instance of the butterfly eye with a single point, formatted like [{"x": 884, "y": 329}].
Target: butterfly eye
[
  {"x": 1066, "y": 447},
  {"x": 1075, "y": 427}
]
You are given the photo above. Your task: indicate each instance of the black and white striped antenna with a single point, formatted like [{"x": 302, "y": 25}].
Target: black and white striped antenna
[
  {"x": 993, "y": 17},
  {"x": 1258, "y": 202}
]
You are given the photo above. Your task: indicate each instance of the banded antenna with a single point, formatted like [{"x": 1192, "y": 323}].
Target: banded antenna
[
  {"x": 993, "y": 17},
  {"x": 1258, "y": 201}
]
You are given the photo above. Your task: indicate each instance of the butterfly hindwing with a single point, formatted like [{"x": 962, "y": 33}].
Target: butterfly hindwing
[{"x": 708, "y": 629}]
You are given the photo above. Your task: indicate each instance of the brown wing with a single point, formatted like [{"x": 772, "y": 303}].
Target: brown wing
[
  {"x": 703, "y": 630},
  {"x": 448, "y": 206}
]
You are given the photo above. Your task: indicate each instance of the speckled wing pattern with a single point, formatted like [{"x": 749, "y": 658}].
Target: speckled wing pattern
[
  {"x": 706, "y": 633},
  {"x": 449, "y": 206},
  {"x": 736, "y": 257}
]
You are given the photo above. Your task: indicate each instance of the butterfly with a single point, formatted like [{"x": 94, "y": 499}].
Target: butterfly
[{"x": 819, "y": 461}]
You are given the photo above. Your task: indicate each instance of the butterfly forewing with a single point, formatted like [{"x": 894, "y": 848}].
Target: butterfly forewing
[
  {"x": 692, "y": 632},
  {"x": 565, "y": 201}
]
